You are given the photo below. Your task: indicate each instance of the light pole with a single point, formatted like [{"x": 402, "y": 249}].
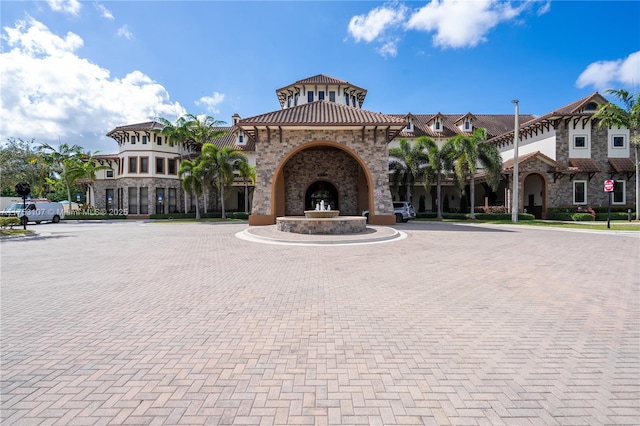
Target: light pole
[{"x": 516, "y": 183}]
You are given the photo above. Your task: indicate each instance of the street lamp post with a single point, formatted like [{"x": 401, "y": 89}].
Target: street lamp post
[{"x": 516, "y": 182}]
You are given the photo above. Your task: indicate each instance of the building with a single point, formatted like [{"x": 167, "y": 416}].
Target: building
[{"x": 322, "y": 145}]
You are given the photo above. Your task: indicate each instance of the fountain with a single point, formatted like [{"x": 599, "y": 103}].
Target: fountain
[{"x": 322, "y": 220}]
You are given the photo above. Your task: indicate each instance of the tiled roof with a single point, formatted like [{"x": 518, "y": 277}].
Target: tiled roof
[
  {"x": 322, "y": 113},
  {"x": 507, "y": 165},
  {"x": 528, "y": 125},
  {"x": 586, "y": 165},
  {"x": 495, "y": 124},
  {"x": 230, "y": 139},
  {"x": 321, "y": 79},
  {"x": 148, "y": 126},
  {"x": 622, "y": 165}
]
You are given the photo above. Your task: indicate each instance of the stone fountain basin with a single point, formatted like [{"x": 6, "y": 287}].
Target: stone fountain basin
[
  {"x": 339, "y": 225},
  {"x": 316, "y": 214}
]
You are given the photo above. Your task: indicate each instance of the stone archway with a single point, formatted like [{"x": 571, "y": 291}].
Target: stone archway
[{"x": 534, "y": 195}]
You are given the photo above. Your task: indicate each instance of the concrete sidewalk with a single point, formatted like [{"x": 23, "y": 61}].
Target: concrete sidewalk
[{"x": 157, "y": 323}]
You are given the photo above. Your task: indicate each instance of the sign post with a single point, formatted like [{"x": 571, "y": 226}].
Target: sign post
[{"x": 609, "y": 186}]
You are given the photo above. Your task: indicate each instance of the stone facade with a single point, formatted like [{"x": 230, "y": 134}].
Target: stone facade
[
  {"x": 331, "y": 165},
  {"x": 276, "y": 148},
  {"x": 120, "y": 201}
]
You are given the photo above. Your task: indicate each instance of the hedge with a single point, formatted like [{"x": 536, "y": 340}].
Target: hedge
[
  {"x": 217, "y": 215},
  {"x": 9, "y": 221},
  {"x": 479, "y": 216}
]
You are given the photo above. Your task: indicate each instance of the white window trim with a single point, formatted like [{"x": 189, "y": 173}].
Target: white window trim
[
  {"x": 624, "y": 142},
  {"x": 585, "y": 192},
  {"x": 586, "y": 141},
  {"x": 624, "y": 192}
]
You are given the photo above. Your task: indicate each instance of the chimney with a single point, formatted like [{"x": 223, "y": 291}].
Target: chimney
[{"x": 235, "y": 118}]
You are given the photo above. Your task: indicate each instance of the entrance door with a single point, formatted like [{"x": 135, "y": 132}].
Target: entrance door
[{"x": 321, "y": 191}]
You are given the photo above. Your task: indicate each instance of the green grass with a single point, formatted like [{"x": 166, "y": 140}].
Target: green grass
[{"x": 14, "y": 232}]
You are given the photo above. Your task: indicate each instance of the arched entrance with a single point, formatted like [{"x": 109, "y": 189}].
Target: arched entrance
[
  {"x": 534, "y": 195},
  {"x": 321, "y": 191}
]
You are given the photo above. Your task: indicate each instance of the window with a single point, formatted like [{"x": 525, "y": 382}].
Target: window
[
  {"x": 241, "y": 137},
  {"x": 133, "y": 164},
  {"x": 346, "y": 100},
  {"x": 321, "y": 95},
  {"x": 288, "y": 101},
  {"x": 295, "y": 99},
  {"x": 619, "y": 193},
  {"x": 109, "y": 197},
  {"x": 353, "y": 100},
  {"x": 172, "y": 166},
  {"x": 110, "y": 173},
  {"x": 579, "y": 141},
  {"x": 618, "y": 141},
  {"x": 159, "y": 140},
  {"x": 144, "y": 164},
  {"x": 437, "y": 125},
  {"x": 133, "y": 140},
  {"x": 309, "y": 96},
  {"x": 144, "y": 139},
  {"x": 579, "y": 192},
  {"x": 160, "y": 165},
  {"x": 467, "y": 125},
  {"x": 133, "y": 200},
  {"x": 332, "y": 96}
]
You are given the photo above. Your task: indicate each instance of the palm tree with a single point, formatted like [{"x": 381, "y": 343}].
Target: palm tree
[
  {"x": 408, "y": 164},
  {"x": 67, "y": 161},
  {"x": 191, "y": 180},
  {"x": 611, "y": 115},
  {"x": 220, "y": 164},
  {"x": 248, "y": 174},
  {"x": 440, "y": 164},
  {"x": 471, "y": 151}
]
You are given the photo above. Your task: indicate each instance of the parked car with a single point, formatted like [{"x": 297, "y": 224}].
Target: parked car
[
  {"x": 403, "y": 210},
  {"x": 35, "y": 211}
]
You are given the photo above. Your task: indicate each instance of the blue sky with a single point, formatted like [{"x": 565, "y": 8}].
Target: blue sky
[{"x": 71, "y": 71}]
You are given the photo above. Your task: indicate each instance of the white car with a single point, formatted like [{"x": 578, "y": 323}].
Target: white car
[
  {"x": 403, "y": 210},
  {"x": 35, "y": 211}
]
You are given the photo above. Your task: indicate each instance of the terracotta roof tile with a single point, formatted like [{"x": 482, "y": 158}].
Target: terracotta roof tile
[
  {"x": 322, "y": 113},
  {"x": 586, "y": 165},
  {"x": 148, "y": 126},
  {"x": 495, "y": 124},
  {"x": 622, "y": 165},
  {"x": 507, "y": 165}
]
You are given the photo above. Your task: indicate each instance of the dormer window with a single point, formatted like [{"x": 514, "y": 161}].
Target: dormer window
[
  {"x": 295, "y": 99},
  {"x": 240, "y": 138},
  {"x": 467, "y": 125},
  {"x": 309, "y": 96},
  {"x": 346, "y": 100},
  {"x": 591, "y": 107},
  {"x": 321, "y": 95},
  {"x": 288, "y": 101},
  {"x": 436, "y": 125},
  {"x": 409, "y": 127},
  {"x": 332, "y": 96}
]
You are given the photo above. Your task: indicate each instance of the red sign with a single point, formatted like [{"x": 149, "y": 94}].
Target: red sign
[{"x": 609, "y": 184}]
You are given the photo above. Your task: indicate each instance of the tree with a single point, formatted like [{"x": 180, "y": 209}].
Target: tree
[
  {"x": 20, "y": 161},
  {"x": 440, "y": 165},
  {"x": 191, "y": 180},
  {"x": 191, "y": 131},
  {"x": 628, "y": 116},
  {"x": 66, "y": 162},
  {"x": 408, "y": 164},
  {"x": 220, "y": 165},
  {"x": 471, "y": 151}
]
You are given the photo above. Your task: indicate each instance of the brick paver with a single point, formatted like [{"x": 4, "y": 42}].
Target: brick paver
[{"x": 164, "y": 324}]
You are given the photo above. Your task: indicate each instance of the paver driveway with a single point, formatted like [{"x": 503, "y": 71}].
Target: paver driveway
[{"x": 147, "y": 323}]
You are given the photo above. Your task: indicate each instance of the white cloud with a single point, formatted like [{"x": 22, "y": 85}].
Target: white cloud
[
  {"x": 104, "y": 12},
  {"x": 372, "y": 25},
  {"x": 454, "y": 23},
  {"x": 49, "y": 93},
  {"x": 123, "y": 31},
  {"x": 72, "y": 7},
  {"x": 459, "y": 23},
  {"x": 605, "y": 75},
  {"x": 211, "y": 102}
]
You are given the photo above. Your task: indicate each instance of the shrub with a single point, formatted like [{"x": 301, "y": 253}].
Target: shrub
[
  {"x": 582, "y": 217},
  {"x": 503, "y": 216},
  {"x": 9, "y": 221}
]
